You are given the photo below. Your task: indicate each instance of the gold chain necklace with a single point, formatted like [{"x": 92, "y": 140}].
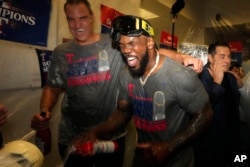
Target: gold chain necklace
[{"x": 152, "y": 69}]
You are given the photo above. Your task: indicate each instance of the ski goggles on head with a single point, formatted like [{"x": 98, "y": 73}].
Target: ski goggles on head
[{"x": 130, "y": 26}]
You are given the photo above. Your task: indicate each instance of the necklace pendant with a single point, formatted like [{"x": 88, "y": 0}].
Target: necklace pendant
[
  {"x": 142, "y": 82},
  {"x": 152, "y": 69}
]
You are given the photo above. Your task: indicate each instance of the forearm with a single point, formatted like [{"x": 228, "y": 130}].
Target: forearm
[
  {"x": 198, "y": 124},
  {"x": 116, "y": 122},
  {"x": 179, "y": 57},
  {"x": 49, "y": 98},
  {"x": 195, "y": 63}
]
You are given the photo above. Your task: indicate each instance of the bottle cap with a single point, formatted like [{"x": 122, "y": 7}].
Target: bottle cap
[{"x": 43, "y": 114}]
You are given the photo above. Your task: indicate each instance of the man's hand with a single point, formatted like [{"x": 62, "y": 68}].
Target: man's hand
[
  {"x": 154, "y": 153},
  {"x": 238, "y": 79},
  {"x": 195, "y": 63},
  {"x": 83, "y": 143},
  {"x": 217, "y": 72},
  {"x": 38, "y": 122}
]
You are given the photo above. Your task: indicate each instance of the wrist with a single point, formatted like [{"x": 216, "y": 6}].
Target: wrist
[{"x": 44, "y": 109}]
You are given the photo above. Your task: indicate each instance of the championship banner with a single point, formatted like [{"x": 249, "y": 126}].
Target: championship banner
[
  {"x": 44, "y": 63},
  {"x": 25, "y": 21},
  {"x": 166, "y": 41},
  {"x": 195, "y": 50},
  {"x": 236, "y": 51},
  {"x": 107, "y": 15}
]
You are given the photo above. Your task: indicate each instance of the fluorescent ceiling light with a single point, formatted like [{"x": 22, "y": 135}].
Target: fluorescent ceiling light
[{"x": 147, "y": 14}]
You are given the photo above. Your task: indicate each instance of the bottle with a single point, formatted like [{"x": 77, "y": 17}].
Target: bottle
[
  {"x": 1, "y": 140},
  {"x": 43, "y": 138},
  {"x": 96, "y": 147}
]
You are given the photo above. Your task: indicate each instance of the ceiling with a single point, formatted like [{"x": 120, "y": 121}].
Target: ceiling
[
  {"x": 204, "y": 11},
  {"x": 234, "y": 22}
]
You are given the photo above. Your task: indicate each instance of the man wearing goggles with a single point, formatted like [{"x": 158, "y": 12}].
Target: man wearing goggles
[
  {"x": 136, "y": 26},
  {"x": 167, "y": 101}
]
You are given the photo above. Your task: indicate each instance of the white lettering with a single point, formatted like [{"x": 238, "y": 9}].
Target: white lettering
[
  {"x": 243, "y": 157},
  {"x": 240, "y": 158},
  {"x": 17, "y": 16}
]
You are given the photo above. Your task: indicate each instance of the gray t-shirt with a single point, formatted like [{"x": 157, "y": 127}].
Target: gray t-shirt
[
  {"x": 162, "y": 107},
  {"x": 89, "y": 76}
]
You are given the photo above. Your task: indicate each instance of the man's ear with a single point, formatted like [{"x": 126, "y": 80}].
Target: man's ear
[
  {"x": 151, "y": 43},
  {"x": 210, "y": 58}
]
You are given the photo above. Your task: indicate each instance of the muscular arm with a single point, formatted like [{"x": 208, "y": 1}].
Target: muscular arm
[
  {"x": 197, "y": 125},
  {"x": 172, "y": 54},
  {"x": 187, "y": 60},
  {"x": 159, "y": 152},
  {"x": 47, "y": 102},
  {"x": 49, "y": 98},
  {"x": 118, "y": 120}
]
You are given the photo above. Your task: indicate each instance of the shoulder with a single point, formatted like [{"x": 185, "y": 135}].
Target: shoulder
[
  {"x": 182, "y": 77},
  {"x": 105, "y": 38},
  {"x": 205, "y": 74},
  {"x": 106, "y": 44},
  {"x": 177, "y": 70},
  {"x": 65, "y": 44}
]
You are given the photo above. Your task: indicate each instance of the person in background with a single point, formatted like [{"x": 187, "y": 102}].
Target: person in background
[
  {"x": 236, "y": 70},
  {"x": 3, "y": 120},
  {"x": 169, "y": 104},
  {"x": 220, "y": 143},
  {"x": 245, "y": 112},
  {"x": 3, "y": 114},
  {"x": 243, "y": 82},
  {"x": 86, "y": 71},
  {"x": 246, "y": 66}
]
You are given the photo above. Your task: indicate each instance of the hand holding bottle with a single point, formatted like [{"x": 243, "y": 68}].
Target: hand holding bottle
[
  {"x": 77, "y": 144},
  {"x": 89, "y": 144},
  {"x": 39, "y": 122},
  {"x": 43, "y": 136},
  {"x": 97, "y": 147}
]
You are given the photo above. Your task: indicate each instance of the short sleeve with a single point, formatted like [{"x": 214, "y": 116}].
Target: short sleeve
[{"x": 191, "y": 94}]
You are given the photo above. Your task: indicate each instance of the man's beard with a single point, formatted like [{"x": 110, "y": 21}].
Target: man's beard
[{"x": 143, "y": 65}]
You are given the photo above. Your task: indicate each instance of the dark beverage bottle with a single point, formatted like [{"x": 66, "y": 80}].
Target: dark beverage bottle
[
  {"x": 1, "y": 140},
  {"x": 43, "y": 138}
]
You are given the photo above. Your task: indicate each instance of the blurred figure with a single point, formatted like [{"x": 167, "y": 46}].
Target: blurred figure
[
  {"x": 245, "y": 99},
  {"x": 237, "y": 71},
  {"x": 3, "y": 120},
  {"x": 246, "y": 66},
  {"x": 236, "y": 68},
  {"x": 21, "y": 153},
  {"x": 245, "y": 112},
  {"x": 3, "y": 114},
  {"x": 243, "y": 82}
]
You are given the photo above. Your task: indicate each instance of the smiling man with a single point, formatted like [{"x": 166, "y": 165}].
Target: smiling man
[{"x": 221, "y": 141}]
